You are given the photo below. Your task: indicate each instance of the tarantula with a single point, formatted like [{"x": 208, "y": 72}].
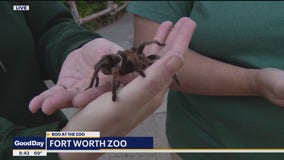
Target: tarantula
[{"x": 124, "y": 62}]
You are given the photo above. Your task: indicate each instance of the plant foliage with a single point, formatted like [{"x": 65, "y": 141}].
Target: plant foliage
[{"x": 86, "y": 8}]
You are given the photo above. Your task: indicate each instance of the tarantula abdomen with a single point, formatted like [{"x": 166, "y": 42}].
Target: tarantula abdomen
[{"x": 124, "y": 62}]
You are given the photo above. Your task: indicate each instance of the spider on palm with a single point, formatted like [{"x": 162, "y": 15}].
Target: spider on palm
[{"x": 124, "y": 62}]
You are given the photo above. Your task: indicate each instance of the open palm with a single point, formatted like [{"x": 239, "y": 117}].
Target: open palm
[
  {"x": 77, "y": 70},
  {"x": 75, "y": 77}
]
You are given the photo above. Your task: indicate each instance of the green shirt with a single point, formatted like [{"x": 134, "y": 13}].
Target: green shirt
[
  {"x": 33, "y": 46},
  {"x": 247, "y": 34}
]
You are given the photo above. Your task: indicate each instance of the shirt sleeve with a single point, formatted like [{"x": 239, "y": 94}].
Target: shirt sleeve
[
  {"x": 8, "y": 130},
  {"x": 55, "y": 34},
  {"x": 160, "y": 11}
]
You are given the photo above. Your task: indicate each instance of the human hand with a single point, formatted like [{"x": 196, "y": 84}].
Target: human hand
[
  {"x": 74, "y": 78},
  {"x": 106, "y": 81},
  {"x": 269, "y": 82},
  {"x": 139, "y": 98},
  {"x": 77, "y": 69}
]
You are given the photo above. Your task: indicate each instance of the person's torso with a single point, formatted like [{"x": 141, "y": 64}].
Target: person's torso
[
  {"x": 20, "y": 78},
  {"x": 247, "y": 34}
]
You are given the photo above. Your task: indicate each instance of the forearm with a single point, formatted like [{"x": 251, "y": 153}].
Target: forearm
[
  {"x": 206, "y": 76},
  {"x": 95, "y": 117},
  {"x": 121, "y": 118}
]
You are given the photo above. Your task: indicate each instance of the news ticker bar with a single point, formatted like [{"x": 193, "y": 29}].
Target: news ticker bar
[
  {"x": 91, "y": 142},
  {"x": 17, "y": 152},
  {"x": 75, "y": 141}
]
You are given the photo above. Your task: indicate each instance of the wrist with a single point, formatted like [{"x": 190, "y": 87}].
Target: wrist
[{"x": 254, "y": 86}]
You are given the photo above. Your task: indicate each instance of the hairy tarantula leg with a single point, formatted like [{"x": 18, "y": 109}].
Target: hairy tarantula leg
[
  {"x": 97, "y": 81},
  {"x": 91, "y": 84},
  {"x": 95, "y": 76},
  {"x": 115, "y": 82},
  {"x": 139, "y": 68},
  {"x": 142, "y": 46},
  {"x": 176, "y": 79},
  {"x": 141, "y": 73},
  {"x": 155, "y": 57}
]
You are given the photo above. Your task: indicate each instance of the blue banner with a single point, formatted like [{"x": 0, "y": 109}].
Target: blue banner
[
  {"x": 29, "y": 143},
  {"x": 99, "y": 143}
]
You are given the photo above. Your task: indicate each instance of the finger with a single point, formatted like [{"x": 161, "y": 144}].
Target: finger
[
  {"x": 60, "y": 99},
  {"x": 180, "y": 36},
  {"x": 159, "y": 76},
  {"x": 85, "y": 97},
  {"x": 37, "y": 101},
  {"x": 160, "y": 36}
]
